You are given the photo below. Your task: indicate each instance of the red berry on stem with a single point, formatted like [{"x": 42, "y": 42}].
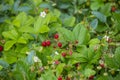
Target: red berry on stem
[
  {"x": 113, "y": 8},
  {"x": 44, "y": 44},
  {"x": 91, "y": 77},
  {"x": 64, "y": 54},
  {"x": 48, "y": 43},
  {"x": 1, "y": 48},
  {"x": 70, "y": 52},
  {"x": 57, "y": 62},
  {"x": 77, "y": 64},
  {"x": 68, "y": 78},
  {"x": 102, "y": 65},
  {"x": 56, "y": 36},
  {"x": 60, "y": 78},
  {"x": 76, "y": 42},
  {"x": 59, "y": 44}
]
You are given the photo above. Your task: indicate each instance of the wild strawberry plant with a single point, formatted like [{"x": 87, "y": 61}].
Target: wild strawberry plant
[{"x": 77, "y": 41}]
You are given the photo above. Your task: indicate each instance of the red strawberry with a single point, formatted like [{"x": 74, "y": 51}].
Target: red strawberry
[
  {"x": 59, "y": 44},
  {"x": 77, "y": 64},
  {"x": 57, "y": 62},
  {"x": 48, "y": 42},
  {"x": 1, "y": 48},
  {"x": 44, "y": 44},
  {"x": 64, "y": 54},
  {"x": 60, "y": 78},
  {"x": 56, "y": 36},
  {"x": 102, "y": 65},
  {"x": 70, "y": 52},
  {"x": 76, "y": 42},
  {"x": 68, "y": 78},
  {"x": 91, "y": 77},
  {"x": 113, "y": 8}
]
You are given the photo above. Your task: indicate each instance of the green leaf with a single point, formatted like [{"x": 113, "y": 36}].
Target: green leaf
[
  {"x": 81, "y": 34},
  {"x": 8, "y": 45},
  {"x": 10, "y": 58},
  {"x": 37, "y": 2},
  {"x": 20, "y": 19},
  {"x": 4, "y": 64},
  {"x": 101, "y": 28},
  {"x": 26, "y": 29},
  {"x": 100, "y": 16},
  {"x": 106, "y": 9},
  {"x": 94, "y": 41},
  {"x": 117, "y": 56},
  {"x": 96, "y": 4},
  {"x": 13, "y": 34},
  {"x": 1, "y": 67},
  {"x": 57, "y": 13},
  {"x": 69, "y": 21},
  {"x": 40, "y": 22},
  {"x": 88, "y": 72},
  {"x": 28, "y": 36},
  {"x": 117, "y": 20},
  {"x": 67, "y": 34},
  {"x": 49, "y": 75},
  {"x": 30, "y": 57},
  {"x": 59, "y": 68},
  {"x": 44, "y": 28},
  {"x": 94, "y": 23},
  {"x": 111, "y": 62},
  {"x": 22, "y": 40}
]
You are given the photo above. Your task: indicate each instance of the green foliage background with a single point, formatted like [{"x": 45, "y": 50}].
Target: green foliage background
[{"x": 22, "y": 30}]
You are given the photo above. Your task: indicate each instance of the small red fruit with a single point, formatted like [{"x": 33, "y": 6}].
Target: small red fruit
[
  {"x": 68, "y": 78},
  {"x": 44, "y": 44},
  {"x": 1, "y": 48},
  {"x": 76, "y": 42},
  {"x": 56, "y": 36},
  {"x": 70, "y": 52},
  {"x": 91, "y": 77},
  {"x": 102, "y": 65},
  {"x": 77, "y": 64},
  {"x": 60, "y": 78},
  {"x": 48, "y": 43},
  {"x": 57, "y": 62},
  {"x": 59, "y": 44},
  {"x": 64, "y": 54},
  {"x": 113, "y": 8}
]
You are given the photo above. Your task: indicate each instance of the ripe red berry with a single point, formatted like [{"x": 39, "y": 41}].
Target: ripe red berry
[
  {"x": 60, "y": 78},
  {"x": 91, "y": 77},
  {"x": 56, "y": 36},
  {"x": 113, "y": 8},
  {"x": 70, "y": 52},
  {"x": 44, "y": 44},
  {"x": 57, "y": 62},
  {"x": 109, "y": 40},
  {"x": 48, "y": 43},
  {"x": 1, "y": 48},
  {"x": 102, "y": 65},
  {"x": 77, "y": 64},
  {"x": 64, "y": 54},
  {"x": 76, "y": 42},
  {"x": 68, "y": 78},
  {"x": 59, "y": 44}
]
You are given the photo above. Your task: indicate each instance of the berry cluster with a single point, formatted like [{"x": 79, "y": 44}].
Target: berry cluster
[
  {"x": 1, "y": 48},
  {"x": 48, "y": 42}
]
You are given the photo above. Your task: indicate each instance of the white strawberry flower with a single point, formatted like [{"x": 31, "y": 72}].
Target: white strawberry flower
[
  {"x": 56, "y": 53},
  {"x": 36, "y": 59},
  {"x": 106, "y": 37},
  {"x": 101, "y": 62},
  {"x": 43, "y": 14}
]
